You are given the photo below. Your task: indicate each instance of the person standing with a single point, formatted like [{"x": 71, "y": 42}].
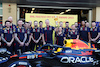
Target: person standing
[
  {"x": 73, "y": 33},
  {"x": 66, "y": 30},
  {"x": 20, "y": 36},
  {"x": 59, "y": 37},
  {"x": 36, "y": 36},
  {"x": 8, "y": 37},
  {"x": 84, "y": 32},
  {"x": 48, "y": 32},
  {"x": 94, "y": 33}
]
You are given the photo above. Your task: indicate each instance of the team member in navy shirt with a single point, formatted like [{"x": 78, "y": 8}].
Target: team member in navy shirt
[
  {"x": 61, "y": 25},
  {"x": 94, "y": 33},
  {"x": 8, "y": 36},
  {"x": 41, "y": 28},
  {"x": 59, "y": 37},
  {"x": 20, "y": 36},
  {"x": 11, "y": 23},
  {"x": 48, "y": 32},
  {"x": 37, "y": 34},
  {"x": 87, "y": 25},
  {"x": 28, "y": 32},
  {"x": 73, "y": 34},
  {"x": 76, "y": 26},
  {"x": 84, "y": 32},
  {"x": 67, "y": 29}
]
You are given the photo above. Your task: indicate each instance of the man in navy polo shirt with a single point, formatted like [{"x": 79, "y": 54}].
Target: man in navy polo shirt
[
  {"x": 48, "y": 32},
  {"x": 94, "y": 33},
  {"x": 76, "y": 26},
  {"x": 66, "y": 30},
  {"x": 37, "y": 34},
  {"x": 73, "y": 34},
  {"x": 8, "y": 36},
  {"x": 61, "y": 25},
  {"x": 28, "y": 32},
  {"x": 41, "y": 28},
  {"x": 11, "y": 23},
  {"x": 20, "y": 36},
  {"x": 84, "y": 32}
]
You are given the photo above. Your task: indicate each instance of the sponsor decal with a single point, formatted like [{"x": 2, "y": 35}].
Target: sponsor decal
[
  {"x": 76, "y": 59},
  {"x": 32, "y": 56}
]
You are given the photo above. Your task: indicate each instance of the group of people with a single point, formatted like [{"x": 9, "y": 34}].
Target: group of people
[{"x": 25, "y": 37}]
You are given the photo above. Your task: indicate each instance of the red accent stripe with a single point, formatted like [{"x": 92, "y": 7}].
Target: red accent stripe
[
  {"x": 8, "y": 31},
  {"x": 14, "y": 44},
  {"x": 74, "y": 33},
  {"x": 83, "y": 28},
  {"x": 20, "y": 30},
  {"x": 67, "y": 30},
  {"x": 93, "y": 29},
  {"x": 45, "y": 36},
  {"x": 4, "y": 44},
  {"x": 48, "y": 49},
  {"x": 5, "y": 38},
  {"x": 13, "y": 55},
  {"x": 47, "y": 28},
  {"x": 36, "y": 30},
  {"x": 22, "y": 57},
  {"x": 39, "y": 55},
  {"x": 11, "y": 26}
]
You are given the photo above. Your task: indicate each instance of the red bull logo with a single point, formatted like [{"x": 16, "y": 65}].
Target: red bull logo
[{"x": 77, "y": 44}]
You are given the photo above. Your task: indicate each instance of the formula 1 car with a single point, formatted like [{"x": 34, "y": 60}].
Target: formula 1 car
[{"x": 74, "y": 53}]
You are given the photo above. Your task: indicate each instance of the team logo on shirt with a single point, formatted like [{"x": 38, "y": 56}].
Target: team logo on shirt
[
  {"x": 11, "y": 31},
  {"x": 76, "y": 33},
  {"x": 5, "y": 31},
  {"x": 0, "y": 27},
  {"x": 28, "y": 31},
  {"x": 95, "y": 29},
  {"x": 59, "y": 34},
  {"x": 38, "y": 30},
  {"x": 50, "y": 28},
  {"x": 71, "y": 32},
  {"x": 91, "y": 29},
  {"x": 45, "y": 28},
  {"x": 85, "y": 29},
  {"x": 23, "y": 30},
  {"x": 33, "y": 30},
  {"x": 18, "y": 30},
  {"x": 82, "y": 28}
]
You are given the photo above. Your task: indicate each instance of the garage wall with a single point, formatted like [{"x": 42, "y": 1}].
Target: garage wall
[{"x": 9, "y": 9}]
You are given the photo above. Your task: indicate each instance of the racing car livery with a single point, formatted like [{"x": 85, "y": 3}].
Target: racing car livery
[{"x": 74, "y": 53}]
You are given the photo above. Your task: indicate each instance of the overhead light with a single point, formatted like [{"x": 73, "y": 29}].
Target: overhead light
[
  {"x": 68, "y": 10},
  {"x": 62, "y": 13},
  {"x": 33, "y": 8},
  {"x": 31, "y": 11},
  {"x": 23, "y": 9}
]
